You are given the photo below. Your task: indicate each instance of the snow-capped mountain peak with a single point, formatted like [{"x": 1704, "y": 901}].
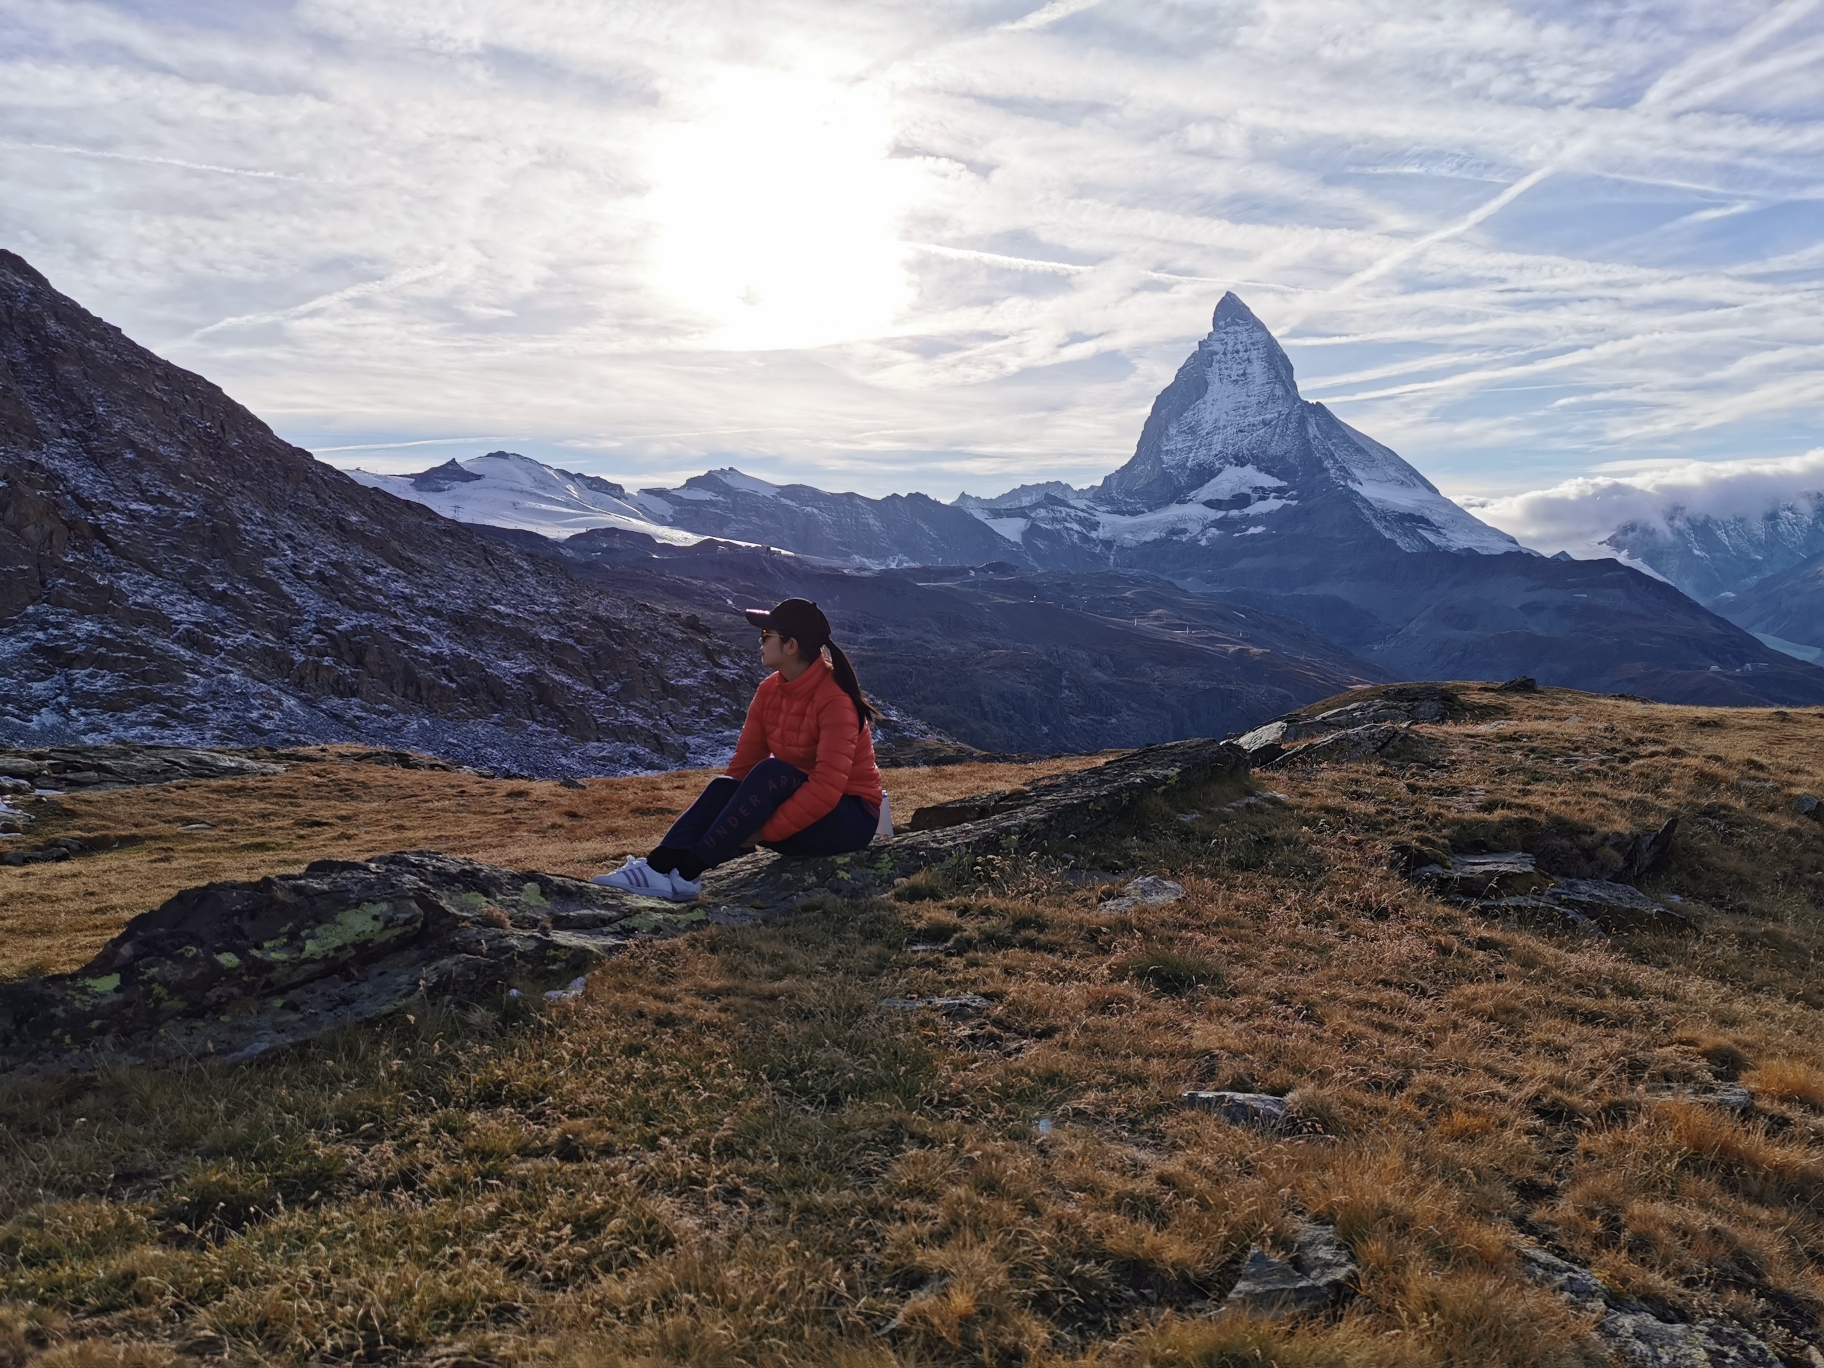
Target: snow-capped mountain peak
[{"x": 1232, "y": 425}]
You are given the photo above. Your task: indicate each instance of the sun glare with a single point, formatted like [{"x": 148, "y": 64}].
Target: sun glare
[{"x": 777, "y": 213}]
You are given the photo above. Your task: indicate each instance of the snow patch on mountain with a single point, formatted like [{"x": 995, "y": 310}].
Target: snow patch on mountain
[
  {"x": 749, "y": 484},
  {"x": 505, "y": 489},
  {"x": 1231, "y": 481}
]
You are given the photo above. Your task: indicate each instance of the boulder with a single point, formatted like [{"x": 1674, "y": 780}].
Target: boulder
[
  {"x": 1519, "y": 684},
  {"x": 1149, "y": 890},
  {"x": 1240, "y": 1108},
  {"x": 1806, "y": 805},
  {"x": 1317, "y": 1276},
  {"x": 1366, "y": 726},
  {"x": 235, "y": 969}
]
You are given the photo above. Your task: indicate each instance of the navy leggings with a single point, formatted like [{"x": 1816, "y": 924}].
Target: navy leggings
[{"x": 731, "y": 812}]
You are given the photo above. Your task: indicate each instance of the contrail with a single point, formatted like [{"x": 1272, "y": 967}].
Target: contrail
[
  {"x": 1013, "y": 263},
  {"x": 1663, "y": 92},
  {"x": 388, "y": 446},
  {"x": 372, "y": 287},
  {"x": 160, "y": 161},
  {"x": 1046, "y": 15}
]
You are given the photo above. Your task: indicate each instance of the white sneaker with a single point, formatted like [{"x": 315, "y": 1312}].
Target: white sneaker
[{"x": 636, "y": 876}]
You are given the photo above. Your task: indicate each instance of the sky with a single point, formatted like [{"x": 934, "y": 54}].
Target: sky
[{"x": 944, "y": 245}]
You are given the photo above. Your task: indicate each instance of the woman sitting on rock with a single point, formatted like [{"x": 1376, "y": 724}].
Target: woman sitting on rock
[{"x": 803, "y": 780}]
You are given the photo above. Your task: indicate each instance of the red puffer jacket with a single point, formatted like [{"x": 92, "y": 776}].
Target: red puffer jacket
[{"x": 809, "y": 723}]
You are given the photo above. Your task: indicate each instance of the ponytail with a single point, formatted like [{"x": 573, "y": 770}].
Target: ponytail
[{"x": 846, "y": 681}]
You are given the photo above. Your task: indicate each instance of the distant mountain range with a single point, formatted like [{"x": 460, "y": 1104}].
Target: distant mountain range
[
  {"x": 171, "y": 570},
  {"x": 1241, "y": 489},
  {"x": 1762, "y": 571}
]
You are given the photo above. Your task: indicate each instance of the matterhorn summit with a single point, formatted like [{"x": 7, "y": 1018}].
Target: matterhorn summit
[{"x": 1231, "y": 430}]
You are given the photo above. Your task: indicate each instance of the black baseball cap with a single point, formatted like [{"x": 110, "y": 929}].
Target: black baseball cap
[{"x": 795, "y": 619}]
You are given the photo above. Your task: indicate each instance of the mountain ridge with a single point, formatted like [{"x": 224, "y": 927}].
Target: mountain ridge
[{"x": 174, "y": 571}]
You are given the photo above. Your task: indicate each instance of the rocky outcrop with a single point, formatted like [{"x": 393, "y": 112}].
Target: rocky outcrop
[
  {"x": 100, "y": 768},
  {"x": 236, "y": 969},
  {"x": 1511, "y": 883},
  {"x": 1635, "y": 1334},
  {"x": 1375, "y": 725}
]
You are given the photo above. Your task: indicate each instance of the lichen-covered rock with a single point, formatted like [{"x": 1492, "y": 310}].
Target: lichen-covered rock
[{"x": 234, "y": 969}]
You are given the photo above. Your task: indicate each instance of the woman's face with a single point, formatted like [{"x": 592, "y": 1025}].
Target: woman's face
[{"x": 775, "y": 653}]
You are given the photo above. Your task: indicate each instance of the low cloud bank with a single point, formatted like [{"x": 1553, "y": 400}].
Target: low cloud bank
[{"x": 1577, "y": 515}]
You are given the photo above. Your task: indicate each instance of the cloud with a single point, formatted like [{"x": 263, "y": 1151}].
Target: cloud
[
  {"x": 1578, "y": 514},
  {"x": 893, "y": 245}
]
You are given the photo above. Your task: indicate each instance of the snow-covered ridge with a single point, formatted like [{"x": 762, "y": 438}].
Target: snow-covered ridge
[{"x": 505, "y": 489}]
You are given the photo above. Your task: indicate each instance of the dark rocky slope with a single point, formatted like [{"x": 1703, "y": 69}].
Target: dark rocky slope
[
  {"x": 1006, "y": 660},
  {"x": 170, "y": 570},
  {"x": 1788, "y": 605}
]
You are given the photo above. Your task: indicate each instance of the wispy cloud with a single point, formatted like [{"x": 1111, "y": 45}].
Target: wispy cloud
[{"x": 897, "y": 246}]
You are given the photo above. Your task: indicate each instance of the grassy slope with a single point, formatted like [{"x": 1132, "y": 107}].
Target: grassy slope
[{"x": 727, "y": 1153}]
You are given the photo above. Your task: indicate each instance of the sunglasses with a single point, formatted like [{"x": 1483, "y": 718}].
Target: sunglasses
[{"x": 769, "y": 635}]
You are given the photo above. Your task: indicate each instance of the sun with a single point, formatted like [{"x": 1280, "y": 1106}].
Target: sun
[{"x": 777, "y": 213}]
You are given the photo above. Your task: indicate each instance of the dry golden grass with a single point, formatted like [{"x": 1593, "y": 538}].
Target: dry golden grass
[
  {"x": 53, "y": 917},
  {"x": 727, "y": 1153}
]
